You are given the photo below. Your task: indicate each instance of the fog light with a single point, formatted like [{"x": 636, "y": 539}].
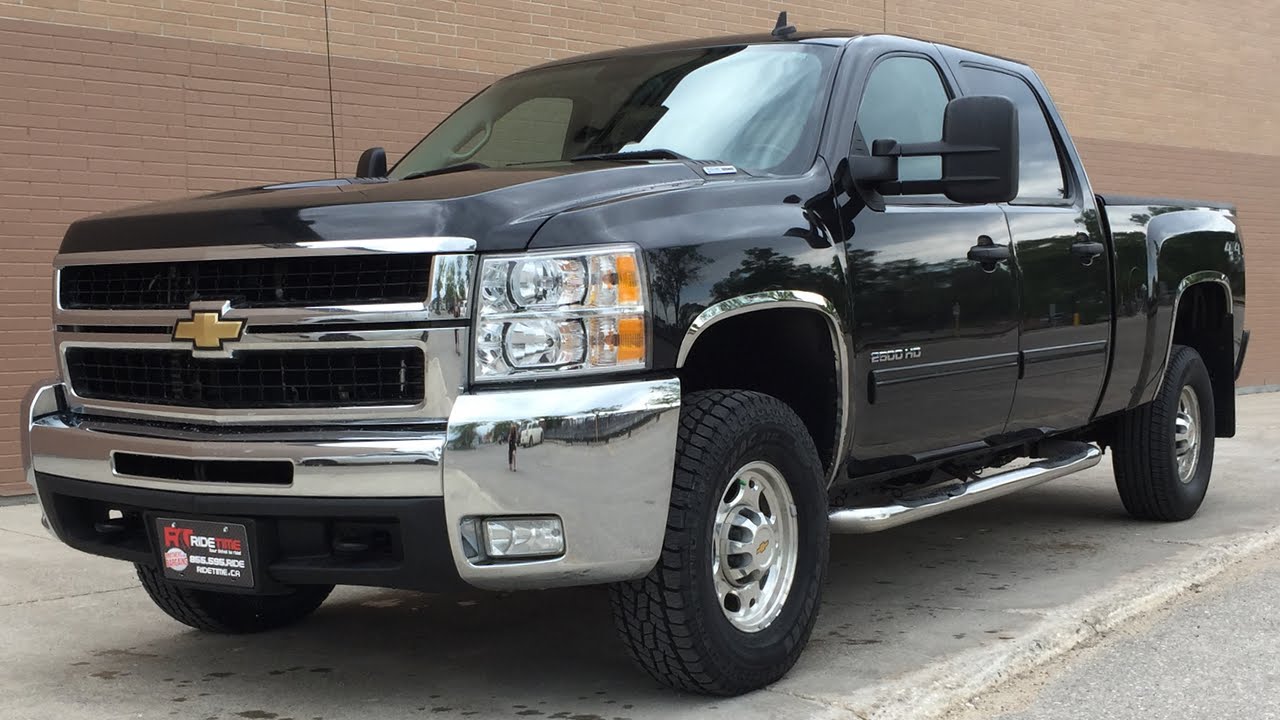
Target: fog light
[{"x": 523, "y": 537}]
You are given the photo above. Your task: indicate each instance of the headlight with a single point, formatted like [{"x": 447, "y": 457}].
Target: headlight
[{"x": 561, "y": 312}]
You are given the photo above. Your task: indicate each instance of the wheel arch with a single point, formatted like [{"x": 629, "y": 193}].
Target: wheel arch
[
  {"x": 800, "y": 316},
  {"x": 1202, "y": 321}
]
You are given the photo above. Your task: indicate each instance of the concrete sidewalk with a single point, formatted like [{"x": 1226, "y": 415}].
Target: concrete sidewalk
[{"x": 915, "y": 621}]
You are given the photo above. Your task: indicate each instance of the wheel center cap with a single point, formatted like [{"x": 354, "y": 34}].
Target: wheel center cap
[
  {"x": 764, "y": 546},
  {"x": 750, "y": 534}
]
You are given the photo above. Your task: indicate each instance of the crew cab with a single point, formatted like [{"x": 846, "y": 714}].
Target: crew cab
[{"x": 660, "y": 318}]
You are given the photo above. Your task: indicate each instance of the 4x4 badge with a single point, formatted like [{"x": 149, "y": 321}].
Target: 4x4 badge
[{"x": 207, "y": 330}]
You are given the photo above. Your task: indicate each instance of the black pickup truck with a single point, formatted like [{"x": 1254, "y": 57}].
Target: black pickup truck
[{"x": 661, "y": 318}]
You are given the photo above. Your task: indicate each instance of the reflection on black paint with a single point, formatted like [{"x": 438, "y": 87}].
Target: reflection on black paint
[
  {"x": 764, "y": 268},
  {"x": 769, "y": 234},
  {"x": 913, "y": 278},
  {"x": 672, "y": 270},
  {"x": 1058, "y": 298}
]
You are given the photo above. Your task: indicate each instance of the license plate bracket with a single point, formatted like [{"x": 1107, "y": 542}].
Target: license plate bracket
[{"x": 205, "y": 552}]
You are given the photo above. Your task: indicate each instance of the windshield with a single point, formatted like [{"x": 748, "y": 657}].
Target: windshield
[{"x": 757, "y": 107}]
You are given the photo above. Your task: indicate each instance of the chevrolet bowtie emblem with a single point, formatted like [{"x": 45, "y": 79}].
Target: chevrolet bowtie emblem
[{"x": 207, "y": 330}]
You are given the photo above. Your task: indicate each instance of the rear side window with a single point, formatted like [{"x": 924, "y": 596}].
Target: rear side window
[
  {"x": 1040, "y": 172},
  {"x": 904, "y": 100}
]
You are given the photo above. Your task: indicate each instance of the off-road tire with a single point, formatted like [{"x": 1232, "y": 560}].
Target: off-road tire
[
  {"x": 671, "y": 620},
  {"x": 226, "y": 613},
  {"x": 1145, "y": 462}
]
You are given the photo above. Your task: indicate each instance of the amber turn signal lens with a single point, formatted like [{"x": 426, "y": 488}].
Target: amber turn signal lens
[
  {"x": 630, "y": 339},
  {"x": 628, "y": 280}
]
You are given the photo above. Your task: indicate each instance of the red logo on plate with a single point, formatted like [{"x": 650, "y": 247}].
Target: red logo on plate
[
  {"x": 177, "y": 537},
  {"x": 175, "y": 559}
]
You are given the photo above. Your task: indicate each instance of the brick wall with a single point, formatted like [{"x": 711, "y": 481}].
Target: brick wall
[{"x": 108, "y": 103}]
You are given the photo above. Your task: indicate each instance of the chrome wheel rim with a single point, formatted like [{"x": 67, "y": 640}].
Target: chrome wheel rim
[
  {"x": 755, "y": 546},
  {"x": 1186, "y": 434}
]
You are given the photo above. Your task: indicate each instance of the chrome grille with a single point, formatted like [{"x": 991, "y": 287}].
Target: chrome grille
[
  {"x": 333, "y": 331},
  {"x": 248, "y": 282},
  {"x": 251, "y": 379}
]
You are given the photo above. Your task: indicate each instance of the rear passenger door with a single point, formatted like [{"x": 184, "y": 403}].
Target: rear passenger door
[{"x": 1062, "y": 260}]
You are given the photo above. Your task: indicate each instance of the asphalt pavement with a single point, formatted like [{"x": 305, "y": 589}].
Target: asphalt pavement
[
  {"x": 1213, "y": 653},
  {"x": 917, "y": 621}
]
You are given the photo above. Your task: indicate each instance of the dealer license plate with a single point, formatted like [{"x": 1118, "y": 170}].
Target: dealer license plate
[{"x": 213, "y": 553}]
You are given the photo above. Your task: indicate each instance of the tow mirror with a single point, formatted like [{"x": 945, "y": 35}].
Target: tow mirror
[
  {"x": 979, "y": 150},
  {"x": 372, "y": 163}
]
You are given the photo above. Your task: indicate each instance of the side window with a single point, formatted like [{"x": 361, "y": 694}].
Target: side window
[
  {"x": 533, "y": 131},
  {"x": 905, "y": 100},
  {"x": 1040, "y": 172}
]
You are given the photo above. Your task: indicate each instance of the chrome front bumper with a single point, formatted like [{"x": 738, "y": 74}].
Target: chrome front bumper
[{"x": 599, "y": 457}]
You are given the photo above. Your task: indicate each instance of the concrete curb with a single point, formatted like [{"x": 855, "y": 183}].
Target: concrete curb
[
  {"x": 7, "y": 500},
  {"x": 942, "y": 687}
]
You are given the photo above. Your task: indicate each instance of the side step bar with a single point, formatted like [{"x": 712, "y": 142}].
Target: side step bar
[{"x": 1064, "y": 458}]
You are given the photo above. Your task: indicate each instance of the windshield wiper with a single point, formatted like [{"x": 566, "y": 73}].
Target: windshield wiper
[
  {"x": 460, "y": 167},
  {"x": 654, "y": 154}
]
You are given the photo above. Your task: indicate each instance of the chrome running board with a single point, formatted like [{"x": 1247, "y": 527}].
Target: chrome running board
[{"x": 1064, "y": 458}]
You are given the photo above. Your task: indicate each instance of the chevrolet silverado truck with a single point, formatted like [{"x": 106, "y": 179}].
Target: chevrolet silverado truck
[{"x": 744, "y": 292}]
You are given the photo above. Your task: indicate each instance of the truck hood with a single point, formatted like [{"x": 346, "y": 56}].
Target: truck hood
[{"x": 500, "y": 208}]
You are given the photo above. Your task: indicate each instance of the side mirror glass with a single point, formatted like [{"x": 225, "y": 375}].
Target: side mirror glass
[
  {"x": 979, "y": 150},
  {"x": 981, "y": 133},
  {"x": 372, "y": 163}
]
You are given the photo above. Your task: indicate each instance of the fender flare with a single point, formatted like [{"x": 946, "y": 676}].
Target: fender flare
[
  {"x": 1196, "y": 278},
  {"x": 787, "y": 299}
]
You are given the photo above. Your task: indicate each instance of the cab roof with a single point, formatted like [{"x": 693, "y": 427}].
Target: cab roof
[{"x": 832, "y": 38}]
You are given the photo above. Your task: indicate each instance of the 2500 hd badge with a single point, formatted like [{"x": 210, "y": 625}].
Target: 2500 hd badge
[{"x": 911, "y": 353}]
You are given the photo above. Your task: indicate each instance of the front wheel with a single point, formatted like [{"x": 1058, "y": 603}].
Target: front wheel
[
  {"x": 735, "y": 594},
  {"x": 228, "y": 613}
]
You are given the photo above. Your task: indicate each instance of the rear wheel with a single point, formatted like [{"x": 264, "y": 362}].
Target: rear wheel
[
  {"x": 732, "y": 601},
  {"x": 1164, "y": 449},
  {"x": 227, "y": 613}
]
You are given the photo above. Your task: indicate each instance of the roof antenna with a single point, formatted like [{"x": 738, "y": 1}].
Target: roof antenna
[{"x": 782, "y": 29}]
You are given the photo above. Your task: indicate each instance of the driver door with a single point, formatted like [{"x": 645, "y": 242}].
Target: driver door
[{"x": 935, "y": 332}]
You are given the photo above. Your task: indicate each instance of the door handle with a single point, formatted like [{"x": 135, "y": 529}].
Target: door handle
[
  {"x": 1086, "y": 249},
  {"x": 988, "y": 254}
]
